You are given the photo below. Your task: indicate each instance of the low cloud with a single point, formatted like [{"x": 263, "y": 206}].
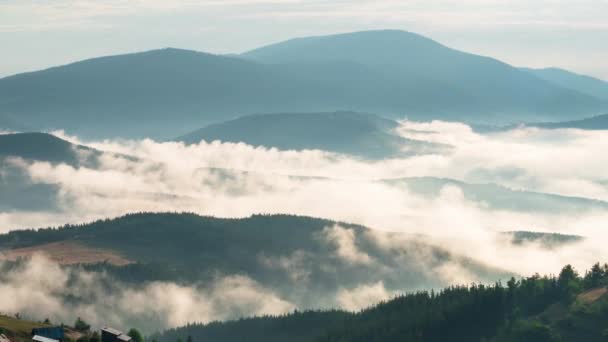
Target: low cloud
[
  {"x": 344, "y": 241},
  {"x": 237, "y": 180},
  {"x": 38, "y": 286},
  {"x": 362, "y": 296}
]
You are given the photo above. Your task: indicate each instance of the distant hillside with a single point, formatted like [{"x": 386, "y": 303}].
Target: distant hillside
[
  {"x": 17, "y": 329},
  {"x": 566, "y": 308},
  {"x": 498, "y": 197},
  {"x": 547, "y": 240},
  {"x": 358, "y": 134},
  {"x": 9, "y": 124},
  {"x": 595, "y": 123},
  {"x": 429, "y": 75},
  {"x": 164, "y": 92},
  {"x": 43, "y": 147},
  {"x": 599, "y": 122},
  {"x": 17, "y": 192},
  {"x": 582, "y": 83},
  {"x": 305, "y": 260}
]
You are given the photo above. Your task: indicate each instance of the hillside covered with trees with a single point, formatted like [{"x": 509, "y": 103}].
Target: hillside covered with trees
[
  {"x": 567, "y": 307},
  {"x": 305, "y": 259}
]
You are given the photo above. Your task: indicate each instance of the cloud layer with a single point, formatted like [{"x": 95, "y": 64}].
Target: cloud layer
[
  {"x": 236, "y": 180},
  {"x": 63, "y": 294}
]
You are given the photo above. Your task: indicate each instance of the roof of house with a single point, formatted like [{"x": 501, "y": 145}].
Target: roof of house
[
  {"x": 3, "y": 338},
  {"x": 55, "y": 333},
  {"x": 112, "y": 331},
  {"x": 124, "y": 337},
  {"x": 119, "y": 334},
  {"x": 39, "y": 338}
]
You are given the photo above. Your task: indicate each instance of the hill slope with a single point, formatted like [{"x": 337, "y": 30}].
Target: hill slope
[
  {"x": 497, "y": 197},
  {"x": 428, "y": 72},
  {"x": 18, "y": 329},
  {"x": 306, "y": 260},
  {"x": 566, "y": 308},
  {"x": 43, "y": 147},
  {"x": 599, "y": 122},
  {"x": 594, "y": 123},
  {"x": 358, "y": 134},
  {"x": 17, "y": 191},
  {"x": 582, "y": 83}
]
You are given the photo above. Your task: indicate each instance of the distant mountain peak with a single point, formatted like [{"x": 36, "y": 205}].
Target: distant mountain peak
[{"x": 395, "y": 73}]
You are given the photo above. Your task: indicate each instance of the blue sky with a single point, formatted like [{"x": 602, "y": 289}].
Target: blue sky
[{"x": 39, "y": 33}]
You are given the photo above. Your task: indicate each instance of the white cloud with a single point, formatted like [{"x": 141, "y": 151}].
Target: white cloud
[
  {"x": 236, "y": 180},
  {"x": 344, "y": 240},
  {"x": 362, "y": 296},
  {"x": 40, "y": 287}
]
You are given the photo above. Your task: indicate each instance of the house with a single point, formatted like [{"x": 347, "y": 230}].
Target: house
[
  {"x": 38, "y": 338},
  {"x": 53, "y": 333},
  {"x": 113, "y": 335}
]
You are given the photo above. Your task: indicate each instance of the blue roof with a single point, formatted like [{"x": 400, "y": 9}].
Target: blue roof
[{"x": 55, "y": 333}]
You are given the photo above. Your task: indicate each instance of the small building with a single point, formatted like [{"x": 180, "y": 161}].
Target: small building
[
  {"x": 112, "y": 335},
  {"x": 54, "y": 333},
  {"x": 3, "y": 338},
  {"x": 38, "y": 338}
]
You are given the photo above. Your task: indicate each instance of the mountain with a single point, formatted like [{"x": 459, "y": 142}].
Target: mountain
[
  {"x": 567, "y": 79},
  {"x": 8, "y": 123},
  {"x": 599, "y": 122},
  {"x": 565, "y": 308},
  {"x": 428, "y": 72},
  {"x": 133, "y": 94},
  {"x": 497, "y": 197},
  {"x": 358, "y": 134},
  {"x": 43, "y": 147},
  {"x": 17, "y": 191},
  {"x": 163, "y": 93},
  {"x": 594, "y": 123}
]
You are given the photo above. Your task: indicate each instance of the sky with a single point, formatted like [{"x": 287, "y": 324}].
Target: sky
[{"x": 35, "y": 34}]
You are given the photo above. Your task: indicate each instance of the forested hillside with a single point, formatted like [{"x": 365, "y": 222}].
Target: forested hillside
[
  {"x": 299, "y": 256},
  {"x": 567, "y": 307}
]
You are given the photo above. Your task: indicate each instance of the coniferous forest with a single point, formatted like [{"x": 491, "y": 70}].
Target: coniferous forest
[{"x": 566, "y": 307}]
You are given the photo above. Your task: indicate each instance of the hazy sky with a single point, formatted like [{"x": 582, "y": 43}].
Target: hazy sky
[{"x": 572, "y": 34}]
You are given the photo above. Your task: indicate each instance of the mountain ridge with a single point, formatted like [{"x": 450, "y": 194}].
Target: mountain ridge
[{"x": 424, "y": 81}]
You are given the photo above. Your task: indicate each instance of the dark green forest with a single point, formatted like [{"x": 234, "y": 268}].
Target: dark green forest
[
  {"x": 566, "y": 307},
  {"x": 192, "y": 248}
]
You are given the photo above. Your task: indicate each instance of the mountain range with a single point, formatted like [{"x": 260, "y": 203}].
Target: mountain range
[{"x": 165, "y": 93}]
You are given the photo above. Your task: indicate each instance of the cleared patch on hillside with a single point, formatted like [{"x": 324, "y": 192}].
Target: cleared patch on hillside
[
  {"x": 592, "y": 295},
  {"x": 17, "y": 329},
  {"x": 68, "y": 253}
]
